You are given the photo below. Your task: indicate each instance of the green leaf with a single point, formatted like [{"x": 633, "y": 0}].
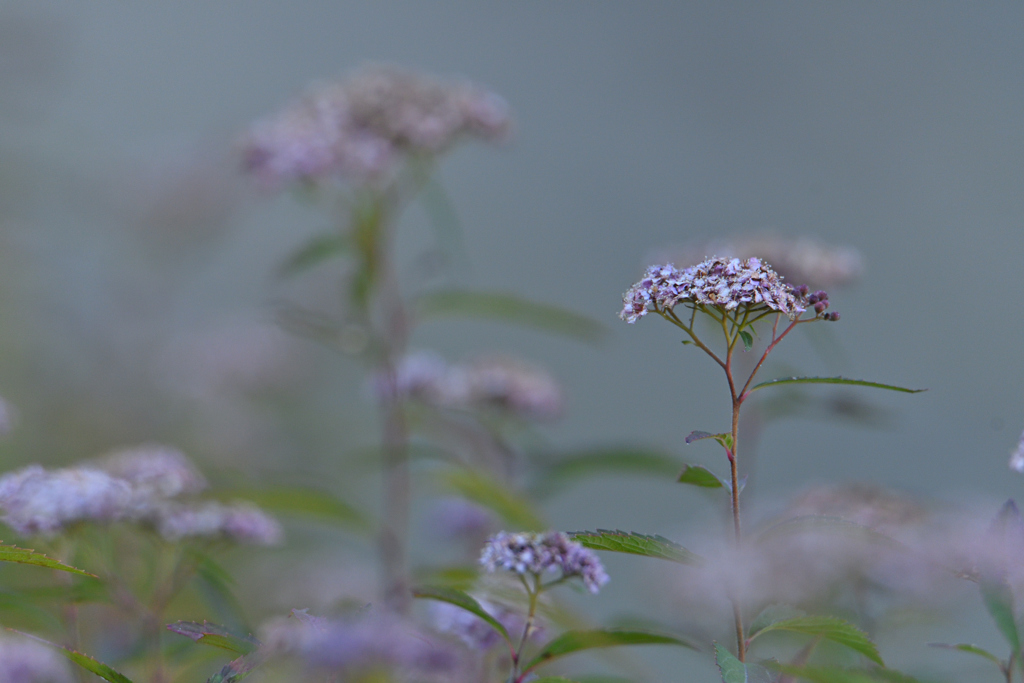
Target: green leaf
[
  {"x": 575, "y": 641},
  {"x": 732, "y": 669},
  {"x": 971, "y": 649},
  {"x": 701, "y": 476},
  {"x": 627, "y": 460},
  {"x": 748, "y": 340},
  {"x": 998, "y": 598},
  {"x": 724, "y": 439},
  {"x": 317, "y": 250},
  {"x": 833, "y": 675},
  {"x": 301, "y": 501},
  {"x": 85, "y": 661},
  {"x": 512, "y": 309},
  {"x": 11, "y": 553},
  {"x": 212, "y": 634},
  {"x": 464, "y": 600},
  {"x": 831, "y": 380},
  {"x": 771, "y": 614},
  {"x": 829, "y": 628},
  {"x": 635, "y": 544},
  {"x": 513, "y": 509}
]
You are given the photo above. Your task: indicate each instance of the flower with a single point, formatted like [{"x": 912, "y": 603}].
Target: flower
[
  {"x": 724, "y": 284},
  {"x": 533, "y": 553},
  {"x": 37, "y": 501},
  {"x": 155, "y": 470},
  {"x": 26, "y": 661},
  {"x": 240, "y": 522},
  {"x": 1017, "y": 457},
  {"x": 356, "y": 129}
]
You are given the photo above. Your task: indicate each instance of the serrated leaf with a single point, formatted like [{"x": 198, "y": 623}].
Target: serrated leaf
[
  {"x": 464, "y": 600},
  {"x": 998, "y": 599},
  {"x": 511, "y": 309},
  {"x": 315, "y": 251},
  {"x": 12, "y": 553},
  {"x": 748, "y": 340},
  {"x": 576, "y": 641},
  {"x": 85, "y": 661},
  {"x": 514, "y": 510},
  {"x": 771, "y": 614},
  {"x": 214, "y": 635},
  {"x": 831, "y": 380},
  {"x": 732, "y": 669},
  {"x": 635, "y": 544},
  {"x": 301, "y": 501},
  {"x": 834, "y": 675},
  {"x": 829, "y": 628},
  {"x": 696, "y": 475},
  {"x": 627, "y": 460},
  {"x": 970, "y": 649}
]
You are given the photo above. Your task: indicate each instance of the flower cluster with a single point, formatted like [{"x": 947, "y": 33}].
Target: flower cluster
[
  {"x": 358, "y": 128},
  {"x": 139, "y": 485},
  {"x": 800, "y": 259},
  {"x": 533, "y": 553},
  {"x": 725, "y": 284},
  {"x": 505, "y": 384},
  {"x": 27, "y": 661}
]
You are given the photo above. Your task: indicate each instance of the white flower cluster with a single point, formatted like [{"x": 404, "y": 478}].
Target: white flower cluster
[
  {"x": 141, "y": 485},
  {"x": 498, "y": 383},
  {"x": 533, "y": 553},
  {"x": 358, "y": 128},
  {"x": 802, "y": 260},
  {"x": 725, "y": 284}
]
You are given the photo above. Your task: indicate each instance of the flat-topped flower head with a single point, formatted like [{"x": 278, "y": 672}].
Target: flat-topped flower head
[
  {"x": 535, "y": 553},
  {"x": 723, "y": 284}
]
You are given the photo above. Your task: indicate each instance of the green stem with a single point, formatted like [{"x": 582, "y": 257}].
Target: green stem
[{"x": 534, "y": 593}]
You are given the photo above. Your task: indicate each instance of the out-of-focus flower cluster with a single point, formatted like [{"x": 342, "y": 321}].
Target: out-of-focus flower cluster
[
  {"x": 141, "y": 485},
  {"x": 802, "y": 259},
  {"x": 498, "y": 383},
  {"x": 357, "y": 129},
  {"x": 1017, "y": 457},
  {"x": 533, "y": 553},
  {"x": 358, "y": 644},
  {"x": 26, "y": 661},
  {"x": 725, "y": 284}
]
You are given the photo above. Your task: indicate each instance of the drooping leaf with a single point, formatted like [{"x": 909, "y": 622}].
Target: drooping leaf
[
  {"x": 828, "y": 628},
  {"x": 771, "y": 614},
  {"x": 11, "y": 553},
  {"x": 214, "y": 635},
  {"x": 461, "y": 577},
  {"x": 971, "y": 649},
  {"x": 514, "y": 510},
  {"x": 302, "y": 501},
  {"x": 724, "y": 439},
  {"x": 835, "y": 675},
  {"x": 237, "y": 669},
  {"x": 635, "y": 544},
  {"x": 465, "y": 601},
  {"x": 511, "y": 309},
  {"x": 732, "y": 669},
  {"x": 748, "y": 340},
  {"x": 831, "y": 380},
  {"x": 575, "y": 641},
  {"x": 315, "y": 251},
  {"x": 625, "y": 460},
  {"x": 701, "y": 476},
  {"x": 998, "y": 599},
  {"x": 85, "y": 661}
]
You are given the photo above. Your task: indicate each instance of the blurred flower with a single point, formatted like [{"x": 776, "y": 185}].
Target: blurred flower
[
  {"x": 474, "y": 631},
  {"x": 357, "y": 128},
  {"x": 154, "y": 471},
  {"x": 802, "y": 260},
  {"x": 26, "y": 661},
  {"x": 868, "y": 505},
  {"x": 456, "y": 518},
  {"x": 358, "y": 644},
  {"x": 725, "y": 284},
  {"x": 37, "y": 501},
  {"x": 501, "y": 383},
  {"x": 533, "y": 553},
  {"x": 239, "y": 523},
  {"x": 1017, "y": 457}
]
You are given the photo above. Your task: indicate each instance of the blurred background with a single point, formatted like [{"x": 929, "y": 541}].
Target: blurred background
[{"x": 137, "y": 264}]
